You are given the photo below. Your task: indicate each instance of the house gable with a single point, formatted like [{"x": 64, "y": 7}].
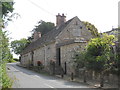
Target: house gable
[{"x": 74, "y": 30}]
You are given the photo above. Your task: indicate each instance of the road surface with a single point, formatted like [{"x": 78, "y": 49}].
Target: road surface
[{"x": 24, "y": 78}]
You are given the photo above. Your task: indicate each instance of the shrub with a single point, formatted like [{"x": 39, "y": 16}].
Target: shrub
[{"x": 5, "y": 81}]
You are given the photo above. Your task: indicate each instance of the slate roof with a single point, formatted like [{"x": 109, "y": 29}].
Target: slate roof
[
  {"x": 46, "y": 38},
  {"x": 114, "y": 29}
]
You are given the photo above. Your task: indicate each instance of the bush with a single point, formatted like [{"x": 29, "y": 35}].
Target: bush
[{"x": 5, "y": 81}]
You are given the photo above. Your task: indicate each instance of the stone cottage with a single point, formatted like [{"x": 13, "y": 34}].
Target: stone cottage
[{"x": 58, "y": 45}]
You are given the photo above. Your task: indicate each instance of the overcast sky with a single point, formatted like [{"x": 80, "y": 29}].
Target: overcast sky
[{"x": 102, "y": 13}]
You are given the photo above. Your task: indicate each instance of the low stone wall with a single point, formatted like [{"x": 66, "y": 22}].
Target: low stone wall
[{"x": 109, "y": 78}]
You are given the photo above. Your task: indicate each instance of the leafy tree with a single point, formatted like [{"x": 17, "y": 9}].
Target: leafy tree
[
  {"x": 18, "y": 45},
  {"x": 97, "y": 56},
  {"x": 6, "y": 8},
  {"x": 79, "y": 60},
  {"x": 4, "y": 46},
  {"x": 44, "y": 27},
  {"x": 118, "y": 52},
  {"x": 5, "y": 54},
  {"x": 92, "y": 28},
  {"x": 118, "y": 57},
  {"x": 7, "y": 13},
  {"x": 116, "y": 64},
  {"x": 98, "y": 52}
]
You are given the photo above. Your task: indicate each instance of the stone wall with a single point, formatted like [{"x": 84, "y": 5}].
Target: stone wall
[
  {"x": 45, "y": 54},
  {"x": 67, "y": 55},
  {"x": 75, "y": 30},
  {"x": 26, "y": 59}
]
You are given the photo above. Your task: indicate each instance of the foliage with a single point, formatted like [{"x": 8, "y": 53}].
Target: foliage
[
  {"x": 98, "y": 53},
  {"x": 44, "y": 27},
  {"x": 99, "y": 57},
  {"x": 7, "y": 13},
  {"x": 118, "y": 53},
  {"x": 6, "y": 81},
  {"x": 116, "y": 65},
  {"x": 79, "y": 60},
  {"x": 18, "y": 45},
  {"x": 6, "y": 8},
  {"x": 4, "y": 46},
  {"x": 92, "y": 28},
  {"x": 11, "y": 61},
  {"x": 5, "y": 54}
]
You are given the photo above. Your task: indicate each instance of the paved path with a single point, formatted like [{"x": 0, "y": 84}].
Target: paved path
[{"x": 24, "y": 78}]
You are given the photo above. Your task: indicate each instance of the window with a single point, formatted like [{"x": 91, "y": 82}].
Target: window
[{"x": 80, "y": 27}]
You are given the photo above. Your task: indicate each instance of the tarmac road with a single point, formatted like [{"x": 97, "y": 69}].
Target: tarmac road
[{"x": 24, "y": 78}]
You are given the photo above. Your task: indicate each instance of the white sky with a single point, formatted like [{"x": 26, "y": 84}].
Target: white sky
[{"x": 102, "y": 13}]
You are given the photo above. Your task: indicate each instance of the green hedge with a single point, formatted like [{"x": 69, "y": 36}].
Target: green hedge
[{"x": 5, "y": 81}]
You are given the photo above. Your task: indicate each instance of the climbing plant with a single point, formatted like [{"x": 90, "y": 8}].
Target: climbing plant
[{"x": 91, "y": 28}]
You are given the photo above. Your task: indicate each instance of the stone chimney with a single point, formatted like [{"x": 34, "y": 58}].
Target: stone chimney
[
  {"x": 60, "y": 19},
  {"x": 36, "y": 35},
  {"x": 63, "y": 18}
]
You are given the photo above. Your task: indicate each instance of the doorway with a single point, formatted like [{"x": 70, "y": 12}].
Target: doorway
[{"x": 58, "y": 56}]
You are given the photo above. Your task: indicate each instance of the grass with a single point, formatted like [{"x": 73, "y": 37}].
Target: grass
[
  {"x": 5, "y": 81},
  {"x": 11, "y": 61}
]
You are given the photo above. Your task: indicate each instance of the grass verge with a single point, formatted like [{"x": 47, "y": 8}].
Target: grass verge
[{"x": 5, "y": 81}]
